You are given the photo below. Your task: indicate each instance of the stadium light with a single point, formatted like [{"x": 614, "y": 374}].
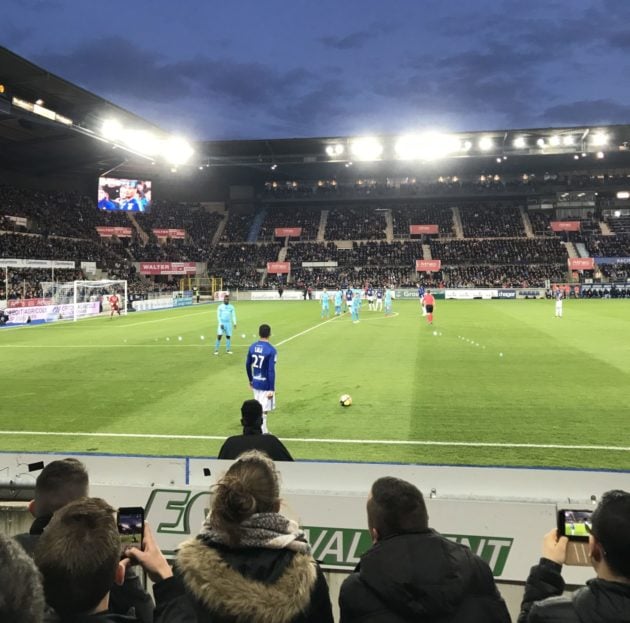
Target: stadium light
[
  {"x": 177, "y": 150},
  {"x": 486, "y": 143},
  {"x": 429, "y": 146},
  {"x": 466, "y": 145},
  {"x": 520, "y": 142},
  {"x": 541, "y": 143},
  {"x": 367, "y": 148},
  {"x": 622, "y": 194},
  {"x": 141, "y": 141},
  {"x": 600, "y": 155},
  {"x": 112, "y": 130},
  {"x": 334, "y": 151},
  {"x": 600, "y": 139},
  {"x": 554, "y": 140},
  {"x": 568, "y": 140}
]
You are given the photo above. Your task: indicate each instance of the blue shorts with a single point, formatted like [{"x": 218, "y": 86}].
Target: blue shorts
[{"x": 227, "y": 329}]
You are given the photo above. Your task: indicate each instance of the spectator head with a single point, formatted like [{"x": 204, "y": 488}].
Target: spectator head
[
  {"x": 251, "y": 485},
  {"x": 58, "y": 483},
  {"x": 264, "y": 331},
  {"x": 610, "y": 532},
  {"x": 395, "y": 506},
  {"x": 251, "y": 415},
  {"x": 21, "y": 593},
  {"x": 79, "y": 557}
]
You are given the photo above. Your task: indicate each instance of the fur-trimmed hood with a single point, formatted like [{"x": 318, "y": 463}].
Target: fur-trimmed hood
[{"x": 255, "y": 584}]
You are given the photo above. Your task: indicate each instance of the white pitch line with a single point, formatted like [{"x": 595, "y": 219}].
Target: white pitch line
[
  {"x": 397, "y": 442},
  {"x": 321, "y": 324}
]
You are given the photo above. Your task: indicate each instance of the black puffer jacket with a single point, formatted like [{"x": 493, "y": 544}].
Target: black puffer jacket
[
  {"x": 598, "y": 602},
  {"x": 421, "y": 577},
  {"x": 215, "y": 584}
]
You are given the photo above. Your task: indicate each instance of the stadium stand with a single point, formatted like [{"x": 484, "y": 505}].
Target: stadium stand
[
  {"x": 307, "y": 218},
  {"x": 355, "y": 223}
]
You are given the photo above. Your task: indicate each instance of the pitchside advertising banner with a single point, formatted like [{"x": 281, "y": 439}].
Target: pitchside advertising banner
[
  {"x": 108, "y": 232},
  {"x": 291, "y": 232},
  {"x": 168, "y": 268},
  {"x": 565, "y": 225},
  {"x": 428, "y": 266},
  {"x": 612, "y": 260},
  {"x": 423, "y": 229},
  {"x": 175, "y": 234},
  {"x": 581, "y": 263},
  {"x": 29, "y": 302},
  {"x": 49, "y": 313},
  {"x": 19, "y": 263},
  {"x": 474, "y": 506}
]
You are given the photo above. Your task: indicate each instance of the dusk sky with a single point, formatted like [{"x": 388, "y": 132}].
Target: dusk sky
[{"x": 284, "y": 69}]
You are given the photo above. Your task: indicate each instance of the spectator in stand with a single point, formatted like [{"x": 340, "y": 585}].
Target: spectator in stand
[
  {"x": 21, "y": 593},
  {"x": 249, "y": 563},
  {"x": 252, "y": 437},
  {"x": 605, "y": 599},
  {"x": 59, "y": 483},
  {"x": 412, "y": 573}
]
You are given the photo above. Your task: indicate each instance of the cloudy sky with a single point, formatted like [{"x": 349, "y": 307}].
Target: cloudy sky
[{"x": 298, "y": 68}]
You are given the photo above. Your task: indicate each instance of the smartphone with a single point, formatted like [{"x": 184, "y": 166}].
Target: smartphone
[
  {"x": 130, "y": 522},
  {"x": 575, "y": 524}
]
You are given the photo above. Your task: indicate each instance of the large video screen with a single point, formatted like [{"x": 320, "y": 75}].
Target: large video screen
[{"x": 121, "y": 195}]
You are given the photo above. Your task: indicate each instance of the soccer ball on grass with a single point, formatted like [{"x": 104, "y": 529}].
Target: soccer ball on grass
[{"x": 345, "y": 400}]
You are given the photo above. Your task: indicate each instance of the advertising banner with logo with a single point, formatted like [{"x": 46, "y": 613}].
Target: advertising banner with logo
[
  {"x": 20, "y": 263},
  {"x": 291, "y": 232},
  {"x": 423, "y": 229},
  {"x": 581, "y": 263},
  {"x": 331, "y": 264},
  {"x": 28, "y": 302},
  {"x": 273, "y": 295},
  {"x": 88, "y": 267},
  {"x": 50, "y": 313},
  {"x": 507, "y": 294},
  {"x": 168, "y": 268},
  {"x": 18, "y": 220},
  {"x": 612, "y": 260},
  {"x": 276, "y": 268},
  {"x": 428, "y": 266},
  {"x": 565, "y": 225},
  {"x": 465, "y": 294},
  {"x": 176, "y": 234},
  {"x": 108, "y": 232}
]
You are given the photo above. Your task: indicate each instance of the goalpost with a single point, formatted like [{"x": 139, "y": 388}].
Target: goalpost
[{"x": 74, "y": 300}]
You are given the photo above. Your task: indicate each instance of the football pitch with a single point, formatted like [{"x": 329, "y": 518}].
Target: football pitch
[{"x": 490, "y": 383}]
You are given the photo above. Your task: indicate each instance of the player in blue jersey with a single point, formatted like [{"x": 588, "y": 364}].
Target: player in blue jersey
[
  {"x": 338, "y": 302},
  {"x": 348, "y": 298},
  {"x": 421, "y": 297},
  {"x": 325, "y": 304},
  {"x": 226, "y": 319},
  {"x": 261, "y": 372},
  {"x": 378, "y": 303},
  {"x": 388, "y": 301},
  {"x": 369, "y": 293},
  {"x": 356, "y": 305}
]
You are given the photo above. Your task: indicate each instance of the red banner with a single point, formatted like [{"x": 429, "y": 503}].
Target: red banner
[
  {"x": 275, "y": 268},
  {"x": 179, "y": 234},
  {"x": 168, "y": 268},
  {"x": 428, "y": 266},
  {"x": 423, "y": 229},
  {"x": 565, "y": 225},
  {"x": 108, "y": 232},
  {"x": 581, "y": 263},
  {"x": 28, "y": 302},
  {"x": 292, "y": 232}
]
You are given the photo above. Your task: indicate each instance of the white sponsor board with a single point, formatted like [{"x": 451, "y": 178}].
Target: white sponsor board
[
  {"x": 49, "y": 313},
  {"x": 159, "y": 303},
  {"x": 466, "y": 294},
  {"x": 500, "y": 513},
  {"x": 272, "y": 295},
  {"x": 89, "y": 267},
  {"x": 21, "y": 263}
]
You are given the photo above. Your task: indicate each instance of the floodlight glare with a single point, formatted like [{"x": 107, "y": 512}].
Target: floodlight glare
[
  {"x": 466, "y": 146},
  {"x": 554, "y": 140},
  {"x": 177, "y": 150},
  {"x": 367, "y": 148},
  {"x": 335, "y": 150},
  {"x": 486, "y": 144},
  {"x": 520, "y": 142},
  {"x": 623, "y": 194},
  {"x": 541, "y": 143},
  {"x": 111, "y": 129},
  {"x": 428, "y": 146},
  {"x": 599, "y": 139},
  {"x": 141, "y": 141},
  {"x": 568, "y": 140},
  {"x": 618, "y": 212},
  {"x": 600, "y": 155}
]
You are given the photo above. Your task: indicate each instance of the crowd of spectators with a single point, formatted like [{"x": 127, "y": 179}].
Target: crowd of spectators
[
  {"x": 307, "y": 218},
  {"x": 404, "y": 215},
  {"x": 503, "y": 276},
  {"x": 492, "y": 221},
  {"x": 609, "y": 246},
  {"x": 237, "y": 227},
  {"x": 355, "y": 223},
  {"x": 298, "y": 252},
  {"x": 619, "y": 224}
]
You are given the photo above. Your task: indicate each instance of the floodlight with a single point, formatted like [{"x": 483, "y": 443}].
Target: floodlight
[
  {"x": 466, "y": 146},
  {"x": 334, "y": 151},
  {"x": 429, "y": 146},
  {"x": 112, "y": 130},
  {"x": 367, "y": 148},
  {"x": 554, "y": 140},
  {"x": 576, "y": 157},
  {"x": 617, "y": 213},
  {"x": 568, "y": 140},
  {"x": 177, "y": 150},
  {"x": 622, "y": 194},
  {"x": 520, "y": 142},
  {"x": 600, "y": 155},
  {"x": 486, "y": 144},
  {"x": 499, "y": 160},
  {"x": 600, "y": 139},
  {"x": 541, "y": 143}
]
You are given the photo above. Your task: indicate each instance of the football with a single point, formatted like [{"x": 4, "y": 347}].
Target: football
[{"x": 345, "y": 400}]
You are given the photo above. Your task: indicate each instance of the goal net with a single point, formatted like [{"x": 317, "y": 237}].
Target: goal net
[{"x": 74, "y": 300}]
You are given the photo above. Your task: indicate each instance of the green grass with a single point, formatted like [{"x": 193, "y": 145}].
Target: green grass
[{"x": 564, "y": 382}]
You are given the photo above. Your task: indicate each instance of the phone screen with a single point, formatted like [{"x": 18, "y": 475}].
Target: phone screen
[
  {"x": 131, "y": 526},
  {"x": 574, "y": 523}
]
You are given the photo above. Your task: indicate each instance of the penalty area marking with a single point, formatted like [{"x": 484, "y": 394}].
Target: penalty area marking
[{"x": 397, "y": 442}]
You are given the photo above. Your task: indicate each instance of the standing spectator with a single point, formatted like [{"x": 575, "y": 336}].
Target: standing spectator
[
  {"x": 412, "y": 573},
  {"x": 606, "y": 598},
  {"x": 249, "y": 563}
]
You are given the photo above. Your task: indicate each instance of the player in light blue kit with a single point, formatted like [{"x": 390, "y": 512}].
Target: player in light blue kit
[
  {"x": 325, "y": 304},
  {"x": 261, "y": 372},
  {"x": 338, "y": 300},
  {"x": 356, "y": 305},
  {"x": 226, "y": 318},
  {"x": 388, "y": 301}
]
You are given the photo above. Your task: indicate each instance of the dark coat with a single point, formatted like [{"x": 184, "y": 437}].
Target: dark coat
[
  {"x": 418, "y": 578},
  {"x": 233, "y": 447},
  {"x": 597, "y": 602},
  {"x": 251, "y": 585}
]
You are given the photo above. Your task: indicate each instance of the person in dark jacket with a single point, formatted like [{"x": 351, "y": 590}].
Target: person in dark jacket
[
  {"x": 63, "y": 481},
  {"x": 249, "y": 563},
  {"x": 252, "y": 437},
  {"x": 604, "y": 599},
  {"x": 412, "y": 573}
]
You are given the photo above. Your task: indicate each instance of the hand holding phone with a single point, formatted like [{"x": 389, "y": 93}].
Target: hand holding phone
[
  {"x": 130, "y": 522},
  {"x": 575, "y": 525}
]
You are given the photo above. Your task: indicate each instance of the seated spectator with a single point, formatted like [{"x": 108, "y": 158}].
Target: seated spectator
[
  {"x": 412, "y": 573},
  {"x": 79, "y": 556},
  {"x": 249, "y": 563},
  {"x": 252, "y": 437},
  {"x": 21, "y": 593},
  {"x": 59, "y": 483},
  {"x": 605, "y": 598}
]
